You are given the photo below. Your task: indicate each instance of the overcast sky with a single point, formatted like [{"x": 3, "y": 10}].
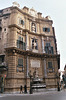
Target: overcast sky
[{"x": 56, "y": 9}]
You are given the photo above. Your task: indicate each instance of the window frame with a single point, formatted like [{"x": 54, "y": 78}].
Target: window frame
[
  {"x": 20, "y": 67},
  {"x": 46, "y": 29},
  {"x": 49, "y": 48}
]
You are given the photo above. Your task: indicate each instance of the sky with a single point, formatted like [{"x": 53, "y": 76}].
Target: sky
[{"x": 56, "y": 9}]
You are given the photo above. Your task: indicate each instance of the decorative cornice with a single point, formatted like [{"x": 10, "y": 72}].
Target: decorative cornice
[
  {"x": 30, "y": 53},
  {"x": 14, "y": 25}
]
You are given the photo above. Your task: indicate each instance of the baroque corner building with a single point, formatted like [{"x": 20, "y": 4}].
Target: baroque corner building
[{"x": 27, "y": 44}]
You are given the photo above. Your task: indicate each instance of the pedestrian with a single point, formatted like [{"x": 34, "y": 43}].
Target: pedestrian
[
  {"x": 58, "y": 86},
  {"x": 25, "y": 89},
  {"x": 21, "y": 89}
]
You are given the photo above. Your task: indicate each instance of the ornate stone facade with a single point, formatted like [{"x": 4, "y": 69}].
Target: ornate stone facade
[{"x": 27, "y": 43}]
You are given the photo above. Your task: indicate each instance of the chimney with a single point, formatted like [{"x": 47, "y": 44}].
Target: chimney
[
  {"x": 39, "y": 15},
  {"x": 25, "y": 9}
]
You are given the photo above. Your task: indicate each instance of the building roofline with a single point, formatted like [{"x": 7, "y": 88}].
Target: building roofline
[{"x": 42, "y": 18}]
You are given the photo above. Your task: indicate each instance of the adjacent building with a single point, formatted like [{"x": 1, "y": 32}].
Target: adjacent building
[{"x": 27, "y": 45}]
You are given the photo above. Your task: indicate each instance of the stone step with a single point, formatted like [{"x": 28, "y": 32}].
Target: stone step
[{"x": 38, "y": 90}]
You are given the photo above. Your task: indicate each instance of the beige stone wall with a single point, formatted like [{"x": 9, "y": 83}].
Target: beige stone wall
[
  {"x": 33, "y": 65},
  {"x": 35, "y": 60}
]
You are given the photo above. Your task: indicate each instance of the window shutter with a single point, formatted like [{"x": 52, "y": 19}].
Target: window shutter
[
  {"x": 32, "y": 40},
  {"x": 19, "y": 38},
  {"x": 0, "y": 60},
  {"x": 35, "y": 29},
  {"x": 32, "y": 43},
  {"x": 46, "y": 49},
  {"x": 19, "y": 21},
  {"x": 22, "y": 62},
  {"x": 22, "y": 39},
  {"x": 36, "y": 46},
  {"x": 48, "y": 30},
  {"x": 18, "y": 44},
  {"x": 24, "y": 47},
  {"x": 43, "y": 29},
  {"x": 23, "y": 22},
  {"x": 52, "y": 50}
]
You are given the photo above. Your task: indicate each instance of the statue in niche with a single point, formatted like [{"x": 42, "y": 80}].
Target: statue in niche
[
  {"x": 33, "y": 27},
  {"x": 35, "y": 73}
]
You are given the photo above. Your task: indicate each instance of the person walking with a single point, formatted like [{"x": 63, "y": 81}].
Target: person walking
[
  {"x": 25, "y": 89},
  {"x": 21, "y": 89}
]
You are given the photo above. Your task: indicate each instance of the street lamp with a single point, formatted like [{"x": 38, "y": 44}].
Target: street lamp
[{"x": 30, "y": 81}]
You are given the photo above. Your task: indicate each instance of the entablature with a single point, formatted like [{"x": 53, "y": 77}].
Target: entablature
[{"x": 14, "y": 50}]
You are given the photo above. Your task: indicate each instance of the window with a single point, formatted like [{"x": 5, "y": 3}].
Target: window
[
  {"x": 21, "y": 44},
  {"x": 49, "y": 49},
  {"x": 33, "y": 27},
  {"x": 21, "y": 21},
  {"x": 20, "y": 67},
  {"x": 20, "y": 62},
  {"x": 46, "y": 29},
  {"x": 0, "y": 29},
  {"x": 2, "y": 58},
  {"x": 50, "y": 65},
  {"x": 5, "y": 29},
  {"x": 34, "y": 44}
]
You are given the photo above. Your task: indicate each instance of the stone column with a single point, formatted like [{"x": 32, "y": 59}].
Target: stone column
[
  {"x": 45, "y": 70},
  {"x": 27, "y": 65},
  {"x": 43, "y": 45},
  {"x": 27, "y": 41},
  {"x": 12, "y": 62},
  {"x": 12, "y": 34},
  {"x": 12, "y": 37}
]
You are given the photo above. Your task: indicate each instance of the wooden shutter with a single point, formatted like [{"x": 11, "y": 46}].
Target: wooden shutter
[{"x": 52, "y": 50}]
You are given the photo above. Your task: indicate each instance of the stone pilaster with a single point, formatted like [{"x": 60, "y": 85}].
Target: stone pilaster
[
  {"x": 45, "y": 70},
  {"x": 27, "y": 41},
  {"x": 27, "y": 65},
  {"x": 12, "y": 65},
  {"x": 43, "y": 45},
  {"x": 12, "y": 37}
]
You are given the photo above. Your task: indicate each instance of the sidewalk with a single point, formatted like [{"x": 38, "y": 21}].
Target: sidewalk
[{"x": 18, "y": 94}]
